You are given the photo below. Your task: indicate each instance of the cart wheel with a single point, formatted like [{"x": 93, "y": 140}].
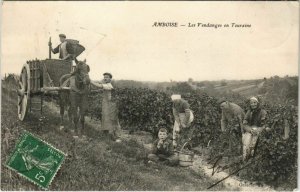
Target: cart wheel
[{"x": 24, "y": 92}]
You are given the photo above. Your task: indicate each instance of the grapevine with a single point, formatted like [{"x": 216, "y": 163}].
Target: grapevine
[{"x": 148, "y": 110}]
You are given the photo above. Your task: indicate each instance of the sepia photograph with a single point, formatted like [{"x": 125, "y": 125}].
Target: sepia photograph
[{"x": 149, "y": 96}]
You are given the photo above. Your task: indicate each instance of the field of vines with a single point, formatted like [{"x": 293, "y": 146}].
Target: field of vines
[{"x": 148, "y": 110}]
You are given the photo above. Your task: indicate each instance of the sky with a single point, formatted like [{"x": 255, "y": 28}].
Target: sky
[{"x": 119, "y": 38}]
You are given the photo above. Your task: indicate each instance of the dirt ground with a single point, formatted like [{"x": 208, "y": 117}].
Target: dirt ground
[{"x": 96, "y": 162}]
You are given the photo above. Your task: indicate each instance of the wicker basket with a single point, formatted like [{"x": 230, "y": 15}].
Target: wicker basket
[
  {"x": 185, "y": 158},
  {"x": 76, "y": 48}
]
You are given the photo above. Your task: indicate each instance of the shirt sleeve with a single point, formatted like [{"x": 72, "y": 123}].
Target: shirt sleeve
[
  {"x": 223, "y": 121},
  {"x": 263, "y": 118},
  {"x": 247, "y": 118},
  {"x": 56, "y": 49},
  {"x": 169, "y": 147},
  {"x": 240, "y": 118},
  {"x": 239, "y": 113},
  {"x": 176, "y": 116},
  {"x": 154, "y": 149},
  {"x": 186, "y": 105},
  {"x": 107, "y": 86},
  {"x": 187, "y": 116}
]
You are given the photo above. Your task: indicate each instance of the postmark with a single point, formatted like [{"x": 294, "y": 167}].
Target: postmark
[{"x": 35, "y": 160}]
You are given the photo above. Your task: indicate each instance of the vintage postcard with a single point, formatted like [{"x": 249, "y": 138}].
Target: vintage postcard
[{"x": 146, "y": 96}]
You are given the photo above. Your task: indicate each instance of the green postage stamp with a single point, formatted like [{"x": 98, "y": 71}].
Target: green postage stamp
[{"x": 35, "y": 160}]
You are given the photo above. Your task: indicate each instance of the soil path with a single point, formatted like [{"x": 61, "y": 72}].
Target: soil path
[{"x": 200, "y": 164}]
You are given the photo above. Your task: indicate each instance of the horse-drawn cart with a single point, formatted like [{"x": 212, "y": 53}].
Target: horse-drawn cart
[
  {"x": 40, "y": 76},
  {"x": 36, "y": 78}
]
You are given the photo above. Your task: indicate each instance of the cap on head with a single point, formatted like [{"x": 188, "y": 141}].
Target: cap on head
[
  {"x": 254, "y": 99},
  {"x": 175, "y": 97},
  {"x": 62, "y": 35},
  {"x": 109, "y": 74}
]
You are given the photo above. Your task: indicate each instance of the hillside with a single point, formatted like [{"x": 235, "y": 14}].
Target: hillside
[
  {"x": 99, "y": 163},
  {"x": 124, "y": 164}
]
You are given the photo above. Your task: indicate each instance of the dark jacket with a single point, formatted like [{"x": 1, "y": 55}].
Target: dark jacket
[
  {"x": 164, "y": 149},
  {"x": 68, "y": 47},
  {"x": 256, "y": 117}
]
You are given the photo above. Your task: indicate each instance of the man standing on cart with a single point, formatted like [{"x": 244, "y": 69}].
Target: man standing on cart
[{"x": 64, "y": 49}]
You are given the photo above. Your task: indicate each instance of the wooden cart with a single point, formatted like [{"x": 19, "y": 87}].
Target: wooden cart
[{"x": 38, "y": 76}]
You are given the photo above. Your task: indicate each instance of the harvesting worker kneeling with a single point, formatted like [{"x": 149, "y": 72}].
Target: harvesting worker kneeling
[{"x": 183, "y": 117}]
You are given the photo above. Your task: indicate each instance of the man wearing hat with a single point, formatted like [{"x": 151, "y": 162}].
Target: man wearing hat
[
  {"x": 109, "y": 121},
  {"x": 64, "y": 48},
  {"x": 232, "y": 126},
  {"x": 183, "y": 117},
  {"x": 105, "y": 83}
]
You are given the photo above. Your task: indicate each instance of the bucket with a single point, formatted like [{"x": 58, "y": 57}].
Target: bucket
[{"x": 185, "y": 157}]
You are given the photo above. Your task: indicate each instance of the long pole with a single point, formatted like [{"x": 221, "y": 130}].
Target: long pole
[{"x": 49, "y": 47}]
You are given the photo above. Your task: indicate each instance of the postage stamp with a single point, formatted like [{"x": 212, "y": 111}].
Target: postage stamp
[{"x": 35, "y": 160}]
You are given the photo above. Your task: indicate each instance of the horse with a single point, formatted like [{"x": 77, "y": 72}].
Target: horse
[{"x": 76, "y": 98}]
